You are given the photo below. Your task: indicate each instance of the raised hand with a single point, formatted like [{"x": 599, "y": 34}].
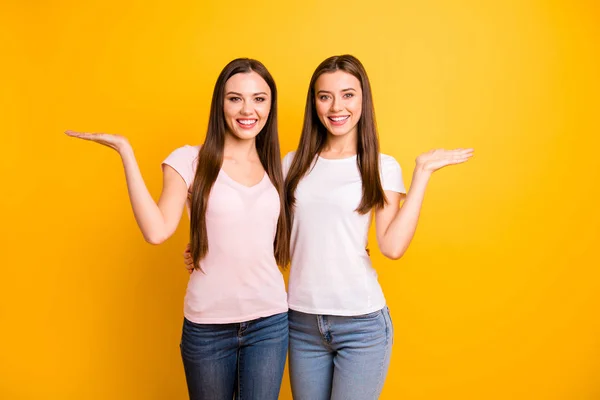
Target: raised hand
[
  {"x": 115, "y": 142},
  {"x": 439, "y": 158}
]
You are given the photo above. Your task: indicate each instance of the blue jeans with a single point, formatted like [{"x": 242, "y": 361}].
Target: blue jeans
[
  {"x": 339, "y": 358},
  {"x": 244, "y": 360}
]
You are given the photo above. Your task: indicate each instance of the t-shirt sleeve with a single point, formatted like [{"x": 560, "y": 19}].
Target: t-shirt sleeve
[
  {"x": 183, "y": 160},
  {"x": 287, "y": 163},
  {"x": 391, "y": 175}
]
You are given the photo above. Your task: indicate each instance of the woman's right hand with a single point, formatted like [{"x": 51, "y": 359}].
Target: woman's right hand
[
  {"x": 115, "y": 142},
  {"x": 157, "y": 220},
  {"x": 187, "y": 259}
]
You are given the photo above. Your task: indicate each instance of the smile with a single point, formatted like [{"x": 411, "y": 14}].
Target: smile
[
  {"x": 338, "y": 120},
  {"x": 246, "y": 123}
]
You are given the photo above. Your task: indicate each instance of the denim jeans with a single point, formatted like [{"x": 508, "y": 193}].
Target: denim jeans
[
  {"x": 243, "y": 360},
  {"x": 339, "y": 358}
]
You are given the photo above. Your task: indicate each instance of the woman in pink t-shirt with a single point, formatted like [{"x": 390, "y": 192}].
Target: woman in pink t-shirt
[{"x": 235, "y": 331}]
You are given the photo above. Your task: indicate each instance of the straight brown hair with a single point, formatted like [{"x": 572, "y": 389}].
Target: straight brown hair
[
  {"x": 210, "y": 160},
  {"x": 314, "y": 136}
]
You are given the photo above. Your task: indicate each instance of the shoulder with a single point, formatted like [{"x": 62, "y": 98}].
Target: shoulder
[
  {"x": 391, "y": 174},
  {"x": 388, "y": 162},
  {"x": 289, "y": 157},
  {"x": 286, "y": 163},
  {"x": 184, "y": 161},
  {"x": 187, "y": 151},
  {"x": 185, "y": 154}
]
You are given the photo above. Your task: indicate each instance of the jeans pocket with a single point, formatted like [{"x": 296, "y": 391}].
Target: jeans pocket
[
  {"x": 389, "y": 323},
  {"x": 387, "y": 311}
]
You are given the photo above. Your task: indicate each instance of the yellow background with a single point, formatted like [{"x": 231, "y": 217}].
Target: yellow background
[{"x": 498, "y": 296}]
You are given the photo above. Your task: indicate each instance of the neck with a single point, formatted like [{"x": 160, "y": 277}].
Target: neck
[
  {"x": 346, "y": 144},
  {"x": 239, "y": 149}
]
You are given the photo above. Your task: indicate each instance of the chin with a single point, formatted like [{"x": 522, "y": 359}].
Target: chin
[
  {"x": 244, "y": 135},
  {"x": 339, "y": 132}
]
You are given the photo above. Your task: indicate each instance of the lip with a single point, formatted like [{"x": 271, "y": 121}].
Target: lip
[
  {"x": 246, "y": 126},
  {"x": 338, "y": 123}
]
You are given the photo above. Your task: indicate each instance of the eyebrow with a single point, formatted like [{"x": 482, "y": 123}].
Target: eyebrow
[
  {"x": 343, "y": 90},
  {"x": 239, "y": 94}
]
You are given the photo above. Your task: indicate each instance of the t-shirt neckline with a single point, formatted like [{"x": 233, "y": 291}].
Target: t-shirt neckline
[
  {"x": 353, "y": 157},
  {"x": 241, "y": 185}
]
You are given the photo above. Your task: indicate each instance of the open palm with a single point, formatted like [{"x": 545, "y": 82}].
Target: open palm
[
  {"x": 115, "y": 142},
  {"x": 439, "y": 158}
]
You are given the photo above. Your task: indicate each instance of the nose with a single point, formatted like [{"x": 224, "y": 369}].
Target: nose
[
  {"x": 246, "y": 109},
  {"x": 336, "y": 104}
]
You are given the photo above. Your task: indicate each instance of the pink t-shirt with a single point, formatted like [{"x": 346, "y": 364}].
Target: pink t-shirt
[{"x": 241, "y": 280}]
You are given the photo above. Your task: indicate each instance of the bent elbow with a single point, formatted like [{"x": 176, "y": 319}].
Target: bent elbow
[
  {"x": 394, "y": 254},
  {"x": 155, "y": 239}
]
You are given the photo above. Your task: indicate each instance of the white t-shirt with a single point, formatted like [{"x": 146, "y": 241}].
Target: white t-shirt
[{"x": 331, "y": 272}]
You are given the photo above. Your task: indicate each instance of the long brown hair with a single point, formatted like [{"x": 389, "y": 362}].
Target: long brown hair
[
  {"x": 314, "y": 135},
  {"x": 210, "y": 160}
]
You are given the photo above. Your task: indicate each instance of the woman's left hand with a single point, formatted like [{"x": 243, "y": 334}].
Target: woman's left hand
[{"x": 440, "y": 158}]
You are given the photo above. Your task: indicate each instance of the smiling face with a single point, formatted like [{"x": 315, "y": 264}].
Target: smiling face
[
  {"x": 247, "y": 104},
  {"x": 338, "y": 102}
]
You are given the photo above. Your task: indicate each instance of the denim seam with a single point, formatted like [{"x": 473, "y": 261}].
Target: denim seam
[
  {"x": 381, "y": 367},
  {"x": 239, "y": 367},
  {"x": 239, "y": 361}
]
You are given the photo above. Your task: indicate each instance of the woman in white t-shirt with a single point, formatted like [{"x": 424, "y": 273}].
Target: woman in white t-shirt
[
  {"x": 235, "y": 331},
  {"x": 340, "y": 328}
]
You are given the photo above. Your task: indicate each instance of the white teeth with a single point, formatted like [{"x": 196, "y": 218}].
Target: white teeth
[
  {"x": 338, "y": 119},
  {"x": 247, "y": 121}
]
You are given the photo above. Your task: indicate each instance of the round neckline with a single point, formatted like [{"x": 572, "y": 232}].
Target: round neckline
[{"x": 338, "y": 159}]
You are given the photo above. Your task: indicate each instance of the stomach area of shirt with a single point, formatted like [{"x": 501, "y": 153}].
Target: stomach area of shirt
[{"x": 224, "y": 297}]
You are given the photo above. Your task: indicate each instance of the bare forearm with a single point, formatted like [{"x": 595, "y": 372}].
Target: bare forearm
[
  {"x": 402, "y": 229},
  {"x": 156, "y": 221},
  {"x": 398, "y": 226},
  {"x": 147, "y": 213}
]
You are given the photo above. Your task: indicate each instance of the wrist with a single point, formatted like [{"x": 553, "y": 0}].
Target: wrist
[
  {"x": 124, "y": 148},
  {"x": 420, "y": 173}
]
